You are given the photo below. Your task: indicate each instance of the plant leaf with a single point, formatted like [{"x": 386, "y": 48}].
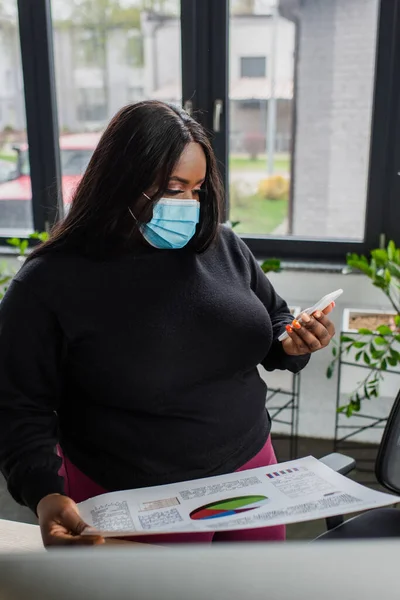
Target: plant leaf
[
  {"x": 384, "y": 330},
  {"x": 377, "y": 354},
  {"x": 357, "y": 402},
  {"x": 271, "y": 264},
  {"x": 394, "y": 270},
  {"x": 380, "y": 256},
  {"x": 23, "y": 246},
  {"x": 13, "y": 242},
  {"x": 359, "y": 344},
  {"x": 391, "y": 250},
  {"x": 43, "y": 236}
]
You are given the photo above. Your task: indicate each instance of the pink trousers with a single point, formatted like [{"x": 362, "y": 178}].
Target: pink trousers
[{"x": 79, "y": 487}]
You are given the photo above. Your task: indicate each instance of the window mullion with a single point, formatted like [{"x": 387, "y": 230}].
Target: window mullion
[{"x": 41, "y": 111}]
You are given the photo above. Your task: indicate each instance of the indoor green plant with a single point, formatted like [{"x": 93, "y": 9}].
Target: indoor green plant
[
  {"x": 21, "y": 246},
  {"x": 378, "y": 350},
  {"x": 5, "y": 278}
]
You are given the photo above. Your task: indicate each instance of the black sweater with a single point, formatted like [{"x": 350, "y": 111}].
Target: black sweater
[{"x": 143, "y": 367}]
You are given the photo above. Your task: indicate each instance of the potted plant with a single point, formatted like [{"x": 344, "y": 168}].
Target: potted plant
[
  {"x": 371, "y": 338},
  {"x": 21, "y": 247}
]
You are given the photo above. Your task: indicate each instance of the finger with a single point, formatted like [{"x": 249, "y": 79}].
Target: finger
[
  {"x": 299, "y": 346},
  {"x": 87, "y": 540},
  {"x": 58, "y": 535},
  {"x": 329, "y": 308},
  {"x": 325, "y": 321},
  {"x": 70, "y": 519},
  {"x": 308, "y": 336},
  {"x": 66, "y": 539},
  {"x": 289, "y": 346},
  {"x": 317, "y": 328},
  {"x": 66, "y": 529}
]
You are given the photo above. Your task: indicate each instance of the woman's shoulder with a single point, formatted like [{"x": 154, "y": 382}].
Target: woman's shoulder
[
  {"x": 39, "y": 267},
  {"x": 227, "y": 236},
  {"x": 46, "y": 273},
  {"x": 229, "y": 240},
  {"x": 230, "y": 248}
]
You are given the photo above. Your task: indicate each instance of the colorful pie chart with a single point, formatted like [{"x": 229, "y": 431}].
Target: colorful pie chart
[{"x": 228, "y": 507}]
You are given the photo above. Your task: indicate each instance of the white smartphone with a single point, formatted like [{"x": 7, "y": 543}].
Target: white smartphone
[{"x": 320, "y": 305}]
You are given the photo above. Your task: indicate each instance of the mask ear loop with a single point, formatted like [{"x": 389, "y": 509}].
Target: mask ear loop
[
  {"x": 132, "y": 215},
  {"x": 130, "y": 210}
]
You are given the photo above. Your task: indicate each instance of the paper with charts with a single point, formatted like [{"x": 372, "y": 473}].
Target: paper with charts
[{"x": 299, "y": 490}]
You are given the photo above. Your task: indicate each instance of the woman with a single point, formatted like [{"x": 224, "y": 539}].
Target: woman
[{"x": 129, "y": 342}]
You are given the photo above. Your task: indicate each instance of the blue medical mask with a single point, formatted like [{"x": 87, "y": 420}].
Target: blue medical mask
[{"x": 173, "y": 223}]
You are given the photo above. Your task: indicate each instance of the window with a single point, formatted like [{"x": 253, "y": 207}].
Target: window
[
  {"x": 15, "y": 191},
  {"x": 303, "y": 115},
  {"x": 89, "y": 47},
  {"x": 134, "y": 48},
  {"x": 73, "y": 161},
  {"x": 305, "y": 177},
  {"x": 91, "y": 106},
  {"x": 253, "y": 66},
  {"x": 9, "y": 79},
  {"x": 135, "y": 93},
  {"x": 108, "y": 54}
]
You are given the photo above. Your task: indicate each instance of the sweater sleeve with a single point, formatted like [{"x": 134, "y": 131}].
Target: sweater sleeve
[
  {"x": 30, "y": 355},
  {"x": 280, "y": 315}
]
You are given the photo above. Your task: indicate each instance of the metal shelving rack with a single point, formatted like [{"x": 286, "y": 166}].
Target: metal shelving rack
[
  {"x": 346, "y": 432},
  {"x": 283, "y": 407}
]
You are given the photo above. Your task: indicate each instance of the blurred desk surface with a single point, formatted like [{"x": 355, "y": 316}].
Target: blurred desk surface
[
  {"x": 21, "y": 537},
  {"x": 366, "y": 570}
]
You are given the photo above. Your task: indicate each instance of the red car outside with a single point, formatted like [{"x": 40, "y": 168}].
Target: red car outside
[{"x": 16, "y": 195}]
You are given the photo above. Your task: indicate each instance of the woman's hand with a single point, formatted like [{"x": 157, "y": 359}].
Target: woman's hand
[
  {"x": 312, "y": 334},
  {"x": 61, "y": 524}
]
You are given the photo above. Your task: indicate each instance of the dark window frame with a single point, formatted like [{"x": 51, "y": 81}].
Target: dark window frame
[
  {"x": 37, "y": 56},
  {"x": 204, "y": 27},
  {"x": 205, "y": 72},
  {"x": 383, "y": 189}
]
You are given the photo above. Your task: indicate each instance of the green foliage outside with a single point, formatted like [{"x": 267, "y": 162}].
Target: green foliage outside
[
  {"x": 256, "y": 215},
  {"x": 245, "y": 163}
]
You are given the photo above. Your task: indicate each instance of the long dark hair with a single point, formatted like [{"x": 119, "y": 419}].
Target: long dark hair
[{"x": 138, "y": 150}]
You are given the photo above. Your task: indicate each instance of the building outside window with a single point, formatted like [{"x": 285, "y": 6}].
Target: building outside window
[{"x": 91, "y": 105}]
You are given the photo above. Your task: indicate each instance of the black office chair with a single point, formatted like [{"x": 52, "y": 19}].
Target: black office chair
[{"x": 380, "y": 522}]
